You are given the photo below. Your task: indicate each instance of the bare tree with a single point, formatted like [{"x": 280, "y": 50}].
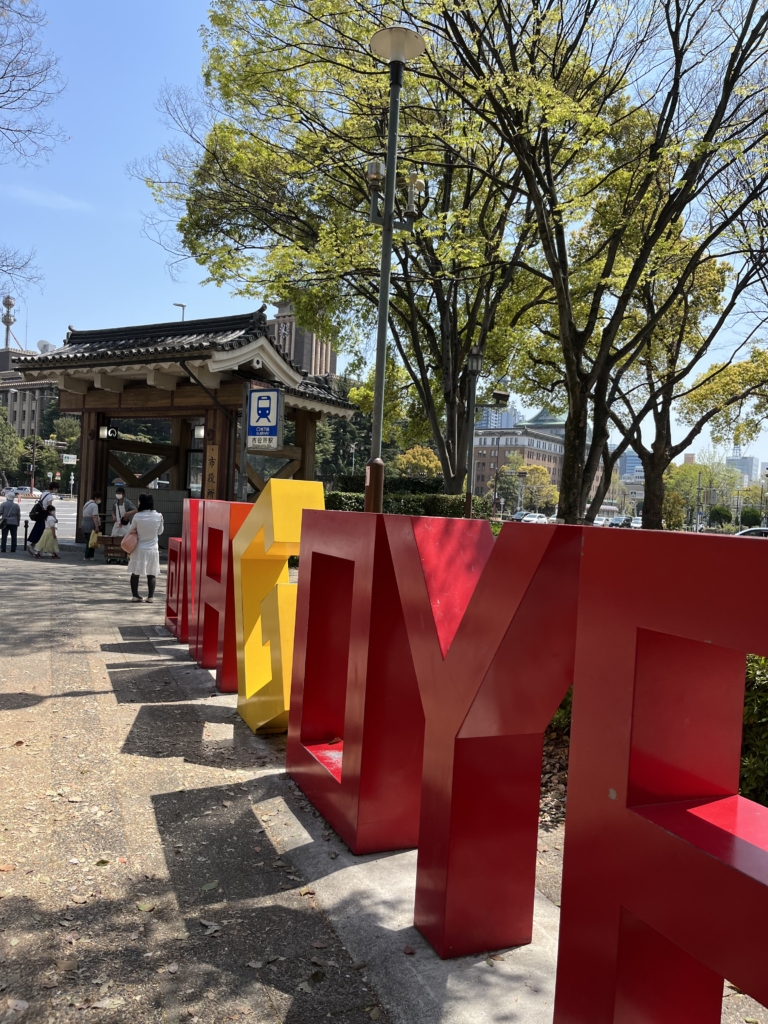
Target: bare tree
[{"x": 29, "y": 83}]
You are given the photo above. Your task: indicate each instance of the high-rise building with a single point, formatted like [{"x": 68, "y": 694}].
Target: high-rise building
[
  {"x": 494, "y": 418},
  {"x": 689, "y": 458},
  {"x": 302, "y": 347},
  {"x": 747, "y": 465},
  {"x": 631, "y": 466}
]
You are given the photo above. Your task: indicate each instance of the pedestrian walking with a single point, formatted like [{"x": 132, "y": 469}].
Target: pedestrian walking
[
  {"x": 48, "y": 543},
  {"x": 39, "y": 514},
  {"x": 10, "y": 517},
  {"x": 123, "y": 510},
  {"x": 90, "y": 521},
  {"x": 145, "y": 557}
]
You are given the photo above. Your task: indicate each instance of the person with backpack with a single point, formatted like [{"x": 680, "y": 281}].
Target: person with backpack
[
  {"x": 48, "y": 543},
  {"x": 39, "y": 514},
  {"x": 10, "y": 517}
]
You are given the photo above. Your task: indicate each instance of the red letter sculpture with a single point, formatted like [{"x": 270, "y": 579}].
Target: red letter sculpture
[
  {"x": 216, "y": 616},
  {"x": 665, "y": 886},
  {"x": 173, "y": 590},
  {"x": 356, "y": 728},
  {"x": 189, "y": 540},
  {"x": 492, "y": 633}
]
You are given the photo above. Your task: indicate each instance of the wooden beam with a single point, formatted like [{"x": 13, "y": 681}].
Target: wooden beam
[
  {"x": 289, "y": 452},
  {"x": 165, "y": 381},
  {"x": 254, "y": 479},
  {"x": 143, "y": 447},
  {"x": 78, "y": 385},
  {"x": 107, "y": 382},
  {"x": 210, "y": 380},
  {"x": 167, "y": 463},
  {"x": 122, "y": 470},
  {"x": 287, "y": 471}
]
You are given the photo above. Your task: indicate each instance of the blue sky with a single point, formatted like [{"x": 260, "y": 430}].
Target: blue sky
[{"x": 80, "y": 210}]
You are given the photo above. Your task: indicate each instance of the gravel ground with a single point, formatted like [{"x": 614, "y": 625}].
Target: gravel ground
[{"x": 145, "y": 874}]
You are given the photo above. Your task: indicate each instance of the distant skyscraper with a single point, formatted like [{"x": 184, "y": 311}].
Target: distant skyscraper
[
  {"x": 630, "y": 466},
  {"x": 495, "y": 418},
  {"x": 689, "y": 458},
  {"x": 747, "y": 465}
]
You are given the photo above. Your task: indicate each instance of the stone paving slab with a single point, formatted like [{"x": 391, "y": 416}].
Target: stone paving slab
[{"x": 165, "y": 868}]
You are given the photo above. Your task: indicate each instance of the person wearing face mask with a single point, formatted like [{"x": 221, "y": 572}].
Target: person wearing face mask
[
  {"x": 123, "y": 511},
  {"x": 90, "y": 521}
]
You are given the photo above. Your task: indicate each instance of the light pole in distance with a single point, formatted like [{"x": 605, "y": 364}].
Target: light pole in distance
[
  {"x": 396, "y": 45},
  {"x": 183, "y": 307}
]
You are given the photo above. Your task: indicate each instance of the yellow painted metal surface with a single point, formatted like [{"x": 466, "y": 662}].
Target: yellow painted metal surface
[{"x": 265, "y": 602}]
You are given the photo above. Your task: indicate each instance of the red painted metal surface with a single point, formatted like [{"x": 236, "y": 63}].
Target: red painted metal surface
[
  {"x": 188, "y": 610},
  {"x": 665, "y": 884},
  {"x": 356, "y": 727},
  {"x": 216, "y": 625},
  {"x": 492, "y": 632},
  {"x": 173, "y": 589}
]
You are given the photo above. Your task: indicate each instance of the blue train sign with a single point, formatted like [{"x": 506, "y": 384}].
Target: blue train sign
[{"x": 265, "y": 418}]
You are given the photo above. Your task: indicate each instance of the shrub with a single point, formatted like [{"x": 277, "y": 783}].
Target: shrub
[
  {"x": 754, "y": 745},
  {"x": 719, "y": 515},
  {"x": 392, "y": 484},
  {"x": 449, "y": 506},
  {"x": 751, "y": 517}
]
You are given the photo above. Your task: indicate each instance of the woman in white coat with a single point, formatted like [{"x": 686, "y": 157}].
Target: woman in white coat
[{"x": 145, "y": 557}]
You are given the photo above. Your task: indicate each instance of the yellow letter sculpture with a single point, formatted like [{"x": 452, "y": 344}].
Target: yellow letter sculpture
[{"x": 265, "y": 602}]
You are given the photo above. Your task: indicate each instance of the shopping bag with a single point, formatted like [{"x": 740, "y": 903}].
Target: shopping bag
[{"x": 94, "y": 539}]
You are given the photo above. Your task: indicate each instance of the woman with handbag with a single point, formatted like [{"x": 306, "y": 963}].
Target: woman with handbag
[{"x": 141, "y": 543}]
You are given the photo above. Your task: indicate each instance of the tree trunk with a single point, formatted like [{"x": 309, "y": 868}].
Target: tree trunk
[
  {"x": 653, "y": 500},
  {"x": 569, "y": 508}
]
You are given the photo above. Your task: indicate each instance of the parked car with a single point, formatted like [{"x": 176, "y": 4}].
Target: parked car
[
  {"x": 753, "y": 531},
  {"x": 536, "y": 517},
  {"x": 637, "y": 523},
  {"x": 518, "y": 517},
  {"x": 25, "y": 492},
  {"x": 624, "y": 522},
  {"x": 600, "y": 521}
]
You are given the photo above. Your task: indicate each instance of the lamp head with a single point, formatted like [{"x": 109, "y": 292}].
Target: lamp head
[
  {"x": 474, "y": 361},
  {"x": 397, "y": 43}
]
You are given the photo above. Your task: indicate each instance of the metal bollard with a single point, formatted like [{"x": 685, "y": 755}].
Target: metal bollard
[{"x": 26, "y": 527}]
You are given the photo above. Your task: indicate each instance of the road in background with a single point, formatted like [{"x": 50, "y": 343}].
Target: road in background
[{"x": 66, "y": 513}]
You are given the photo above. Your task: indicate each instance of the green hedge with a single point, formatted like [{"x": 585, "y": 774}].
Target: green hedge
[
  {"x": 754, "y": 745},
  {"x": 449, "y": 506},
  {"x": 392, "y": 484}
]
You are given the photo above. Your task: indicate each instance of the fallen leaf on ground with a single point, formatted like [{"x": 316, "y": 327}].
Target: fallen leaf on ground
[
  {"x": 319, "y": 945},
  {"x": 50, "y": 984},
  {"x": 14, "y": 942},
  {"x": 210, "y": 885},
  {"x": 110, "y": 1003},
  {"x": 375, "y": 1013},
  {"x": 172, "y": 968},
  {"x": 409, "y": 950},
  {"x": 489, "y": 961},
  {"x": 271, "y": 959},
  {"x": 257, "y": 849},
  {"x": 358, "y": 967},
  {"x": 304, "y": 986},
  {"x": 226, "y": 803},
  {"x": 7, "y": 867},
  {"x": 122, "y": 860},
  {"x": 211, "y": 928},
  {"x": 101, "y": 862},
  {"x": 317, "y": 976},
  {"x": 18, "y": 1005},
  {"x": 255, "y": 964},
  {"x": 497, "y": 957},
  {"x": 75, "y": 799},
  {"x": 79, "y": 899},
  {"x": 146, "y": 908},
  {"x": 66, "y": 965},
  {"x": 19, "y": 743}
]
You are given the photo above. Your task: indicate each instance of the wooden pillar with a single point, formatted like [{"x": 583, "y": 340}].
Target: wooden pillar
[
  {"x": 306, "y": 432},
  {"x": 216, "y": 454},
  {"x": 181, "y": 435},
  {"x": 94, "y": 455}
]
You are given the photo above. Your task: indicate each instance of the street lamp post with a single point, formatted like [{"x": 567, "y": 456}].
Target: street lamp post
[
  {"x": 395, "y": 45},
  {"x": 474, "y": 366},
  {"x": 183, "y": 307},
  {"x": 521, "y": 475},
  {"x": 8, "y": 319}
]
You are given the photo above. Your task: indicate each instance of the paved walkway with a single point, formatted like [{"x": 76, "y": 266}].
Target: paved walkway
[{"x": 156, "y": 863}]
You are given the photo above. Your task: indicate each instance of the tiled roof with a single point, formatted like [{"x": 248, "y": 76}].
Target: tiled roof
[
  {"x": 172, "y": 342},
  {"x": 153, "y": 341}
]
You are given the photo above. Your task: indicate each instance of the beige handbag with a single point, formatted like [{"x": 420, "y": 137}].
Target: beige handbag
[{"x": 129, "y": 542}]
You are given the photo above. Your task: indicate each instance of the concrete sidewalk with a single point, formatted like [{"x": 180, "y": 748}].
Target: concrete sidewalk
[{"x": 157, "y": 864}]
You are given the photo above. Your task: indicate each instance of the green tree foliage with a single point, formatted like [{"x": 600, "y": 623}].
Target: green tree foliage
[
  {"x": 673, "y": 511},
  {"x": 754, "y": 749},
  {"x": 419, "y": 462},
  {"x": 45, "y": 459},
  {"x": 270, "y": 193},
  {"x": 751, "y": 516},
  {"x": 11, "y": 447},
  {"x": 719, "y": 515},
  {"x": 67, "y": 430}
]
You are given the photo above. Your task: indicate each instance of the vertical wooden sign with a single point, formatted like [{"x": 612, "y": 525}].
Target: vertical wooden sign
[{"x": 211, "y": 471}]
